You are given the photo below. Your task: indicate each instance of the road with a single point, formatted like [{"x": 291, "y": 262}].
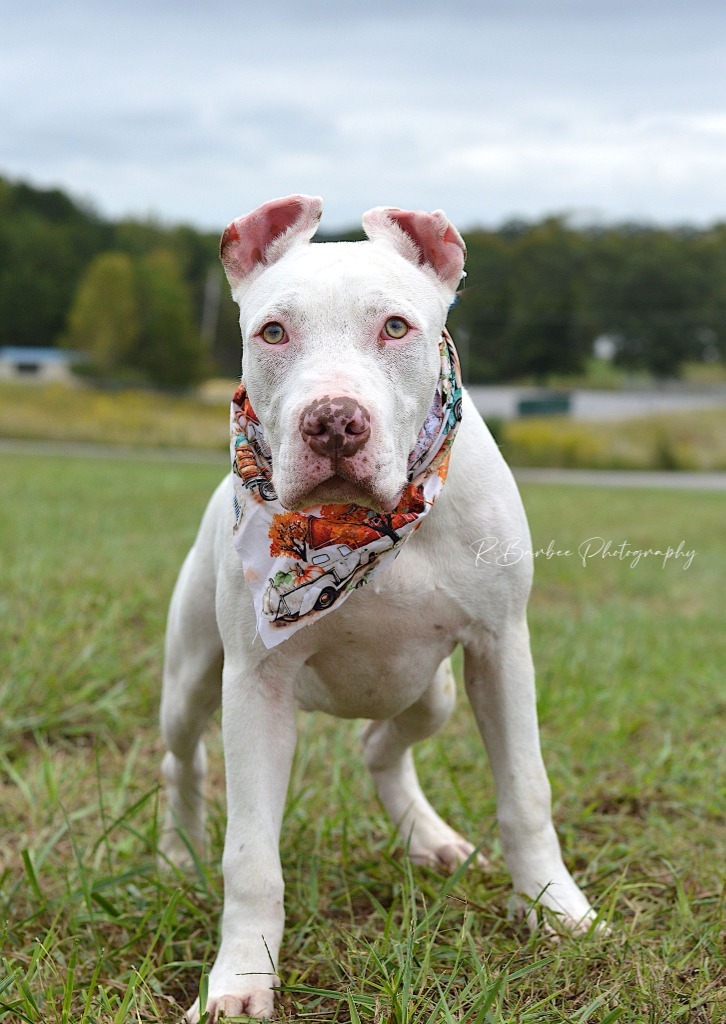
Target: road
[
  {"x": 90, "y": 450},
  {"x": 502, "y": 400},
  {"x": 623, "y": 478}
]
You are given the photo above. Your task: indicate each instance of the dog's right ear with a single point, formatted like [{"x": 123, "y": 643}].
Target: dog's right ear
[{"x": 263, "y": 236}]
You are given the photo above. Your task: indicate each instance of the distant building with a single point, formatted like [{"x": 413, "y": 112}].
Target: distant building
[
  {"x": 37, "y": 365},
  {"x": 604, "y": 347}
]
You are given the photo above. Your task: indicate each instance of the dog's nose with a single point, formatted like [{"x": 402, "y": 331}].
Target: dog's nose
[{"x": 335, "y": 427}]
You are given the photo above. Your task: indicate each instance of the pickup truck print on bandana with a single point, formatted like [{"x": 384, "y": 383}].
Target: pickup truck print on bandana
[{"x": 300, "y": 565}]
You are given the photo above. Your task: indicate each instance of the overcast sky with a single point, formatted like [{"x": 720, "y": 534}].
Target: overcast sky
[{"x": 196, "y": 112}]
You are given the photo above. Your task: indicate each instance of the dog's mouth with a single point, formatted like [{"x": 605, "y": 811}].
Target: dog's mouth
[{"x": 337, "y": 490}]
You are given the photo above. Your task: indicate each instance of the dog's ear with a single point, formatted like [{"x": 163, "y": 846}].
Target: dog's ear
[
  {"x": 426, "y": 239},
  {"x": 263, "y": 236}
]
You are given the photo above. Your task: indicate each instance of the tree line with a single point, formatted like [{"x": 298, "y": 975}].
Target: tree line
[
  {"x": 536, "y": 297},
  {"x": 130, "y": 294},
  {"x": 148, "y": 303}
]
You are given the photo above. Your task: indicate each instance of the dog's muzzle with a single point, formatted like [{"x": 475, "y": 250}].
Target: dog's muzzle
[{"x": 307, "y": 557}]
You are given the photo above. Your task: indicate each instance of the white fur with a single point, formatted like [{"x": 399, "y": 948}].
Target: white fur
[
  {"x": 349, "y": 289},
  {"x": 382, "y": 655}
]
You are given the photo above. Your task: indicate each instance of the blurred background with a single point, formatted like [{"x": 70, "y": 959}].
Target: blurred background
[{"x": 579, "y": 145}]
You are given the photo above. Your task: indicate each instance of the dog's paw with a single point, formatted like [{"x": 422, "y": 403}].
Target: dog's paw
[
  {"x": 174, "y": 852},
  {"x": 447, "y": 856},
  {"x": 554, "y": 922},
  {"x": 257, "y": 1000}
]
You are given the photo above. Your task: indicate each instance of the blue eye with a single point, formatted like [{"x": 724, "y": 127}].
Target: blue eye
[
  {"x": 396, "y": 328},
  {"x": 273, "y": 333}
]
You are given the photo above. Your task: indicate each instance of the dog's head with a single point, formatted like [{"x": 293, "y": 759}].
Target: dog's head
[{"x": 341, "y": 343}]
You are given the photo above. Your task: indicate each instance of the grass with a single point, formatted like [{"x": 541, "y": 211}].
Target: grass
[
  {"x": 694, "y": 440},
  {"x": 82, "y": 414},
  {"x": 631, "y": 705}
]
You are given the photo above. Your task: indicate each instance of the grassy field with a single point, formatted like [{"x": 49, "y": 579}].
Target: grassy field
[
  {"x": 693, "y": 440},
  {"x": 632, "y": 710},
  {"x": 56, "y": 413}
]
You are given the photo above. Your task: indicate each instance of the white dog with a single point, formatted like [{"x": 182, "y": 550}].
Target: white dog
[{"x": 350, "y": 388}]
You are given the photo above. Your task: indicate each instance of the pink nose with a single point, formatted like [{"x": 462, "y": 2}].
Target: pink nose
[{"x": 335, "y": 426}]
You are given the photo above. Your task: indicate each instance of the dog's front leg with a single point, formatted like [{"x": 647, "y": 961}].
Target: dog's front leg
[
  {"x": 258, "y": 728},
  {"x": 500, "y": 685}
]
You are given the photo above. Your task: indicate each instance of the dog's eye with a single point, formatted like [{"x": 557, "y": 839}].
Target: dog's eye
[
  {"x": 273, "y": 333},
  {"x": 395, "y": 327}
]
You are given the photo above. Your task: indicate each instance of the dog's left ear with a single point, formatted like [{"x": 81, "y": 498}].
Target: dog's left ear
[{"x": 426, "y": 239}]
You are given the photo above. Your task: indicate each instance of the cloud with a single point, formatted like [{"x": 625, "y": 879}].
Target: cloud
[{"x": 198, "y": 113}]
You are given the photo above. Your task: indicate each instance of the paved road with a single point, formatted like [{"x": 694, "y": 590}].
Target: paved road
[
  {"x": 587, "y": 477},
  {"x": 586, "y": 404},
  {"x": 623, "y": 478}
]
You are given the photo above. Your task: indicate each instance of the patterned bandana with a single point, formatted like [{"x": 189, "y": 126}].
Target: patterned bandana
[{"x": 298, "y": 565}]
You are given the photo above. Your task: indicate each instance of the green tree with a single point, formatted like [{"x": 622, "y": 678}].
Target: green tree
[
  {"x": 46, "y": 242},
  {"x": 653, "y": 296},
  {"x": 711, "y": 332},
  {"x": 104, "y": 319},
  {"x": 169, "y": 350},
  {"x": 546, "y": 332},
  {"x": 479, "y": 319},
  {"x": 524, "y": 311}
]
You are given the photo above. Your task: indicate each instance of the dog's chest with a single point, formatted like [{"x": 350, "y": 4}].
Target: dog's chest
[{"x": 377, "y": 653}]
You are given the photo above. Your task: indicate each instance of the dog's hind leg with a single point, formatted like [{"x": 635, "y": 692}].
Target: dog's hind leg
[
  {"x": 388, "y": 754},
  {"x": 191, "y": 692}
]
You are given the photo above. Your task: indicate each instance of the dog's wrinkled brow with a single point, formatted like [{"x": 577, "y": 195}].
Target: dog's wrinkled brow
[{"x": 292, "y": 307}]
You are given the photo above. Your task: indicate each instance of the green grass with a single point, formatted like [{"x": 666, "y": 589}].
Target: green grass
[{"x": 632, "y": 708}]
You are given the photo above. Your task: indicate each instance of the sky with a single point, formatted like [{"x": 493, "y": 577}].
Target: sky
[{"x": 191, "y": 112}]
